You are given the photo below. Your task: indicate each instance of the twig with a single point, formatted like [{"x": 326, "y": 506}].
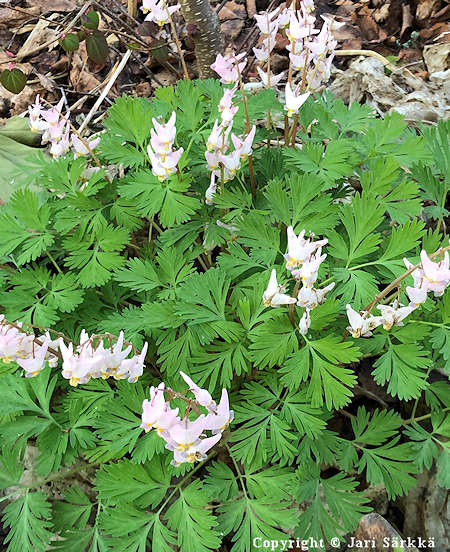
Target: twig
[
  {"x": 107, "y": 88},
  {"x": 177, "y": 41}
]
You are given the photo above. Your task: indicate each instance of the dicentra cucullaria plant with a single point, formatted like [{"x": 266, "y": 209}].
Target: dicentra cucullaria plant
[{"x": 229, "y": 247}]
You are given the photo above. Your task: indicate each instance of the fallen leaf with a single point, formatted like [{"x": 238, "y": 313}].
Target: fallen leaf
[
  {"x": 232, "y": 28},
  {"x": 426, "y": 9},
  {"x": 437, "y": 57},
  {"x": 407, "y": 19}
]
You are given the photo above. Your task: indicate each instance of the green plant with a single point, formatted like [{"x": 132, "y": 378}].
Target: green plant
[{"x": 119, "y": 249}]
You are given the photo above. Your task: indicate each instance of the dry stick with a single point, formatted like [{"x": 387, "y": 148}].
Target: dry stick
[
  {"x": 247, "y": 119},
  {"x": 132, "y": 8},
  {"x": 369, "y": 53},
  {"x": 177, "y": 41},
  {"x": 107, "y": 88},
  {"x": 127, "y": 14}
]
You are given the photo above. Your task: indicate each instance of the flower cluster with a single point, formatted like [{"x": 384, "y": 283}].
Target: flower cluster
[
  {"x": 303, "y": 260},
  {"x": 311, "y": 52},
  {"x": 90, "y": 359},
  {"x": 186, "y": 438},
  {"x": 30, "y": 352},
  {"x": 223, "y": 163},
  {"x": 95, "y": 361},
  {"x": 429, "y": 276},
  {"x": 163, "y": 158},
  {"x": 268, "y": 25},
  {"x": 158, "y": 11},
  {"x": 55, "y": 129}
]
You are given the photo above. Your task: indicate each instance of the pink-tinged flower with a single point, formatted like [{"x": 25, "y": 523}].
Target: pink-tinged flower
[
  {"x": 274, "y": 79},
  {"x": 79, "y": 148},
  {"x": 34, "y": 365},
  {"x": 308, "y": 5},
  {"x": 244, "y": 146},
  {"x": 264, "y": 23},
  {"x": 154, "y": 408},
  {"x": 148, "y": 5},
  {"x": 298, "y": 61},
  {"x": 297, "y": 29},
  {"x": 417, "y": 296},
  {"x": 185, "y": 434},
  {"x": 226, "y": 68},
  {"x": 232, "y": 163},
  {"x": 135, "y": 365},
  {"x": 166, "y": 131},
  {"x": 212, "y": 158},
  {"x": 305, "y": 322},
  {"x": 417, "y": 274},
  {"x": 158, "y": 12},
  {"x": 35, "y": 121},
  {"x": 60, "y": 147},
  {"x": 274, "y": 296},
  {"x": 218, "y": 420},
  {"x": 163, "y": 168},
  {"x": 293, "y": 102},
  {"x": 218, "y": 139},
  {"x": 227, "y": 99},
  {"x": 202, "y": 396},
  {"x": 436, "y": 275},
  {"x": 362, "y": 325},
  {"x": 196, "y": 452},
  {"x": 212, "y": 189},
  {"x": 72, "y": 369},
  {"x": 261, "y": 54},
  {"x": 394, "y": 315},
  {"x": 284, "y": 18},
  {"x": 52, "y": 115}
]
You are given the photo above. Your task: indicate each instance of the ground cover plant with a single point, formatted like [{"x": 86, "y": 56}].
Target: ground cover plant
[{"x": 189, "y": 300}]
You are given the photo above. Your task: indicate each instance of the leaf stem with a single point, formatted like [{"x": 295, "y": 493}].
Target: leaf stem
[{"x": 55, "y": 264}]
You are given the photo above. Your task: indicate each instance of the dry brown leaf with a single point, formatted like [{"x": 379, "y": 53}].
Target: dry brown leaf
[
  {"x": 437, "y": 57},
  {"x": 407, "y": 19},
  {"x": 426, "y": 9},
  {"x": 55, "y": 5},
  {"x": 232, "y": 28},
  {"x": 381, "y": 13},
  {"x": 232, "y": 10},
  {"x": 81, "y": 77}
]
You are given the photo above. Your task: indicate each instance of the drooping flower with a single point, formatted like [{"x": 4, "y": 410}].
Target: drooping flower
[
  {"x": 305, "y": 322},
  {"x": 244, "y": 146},
  {"x": 202, "y": 396},
  {"x": 362, "y": 325},
  {"x": 227, "y": 67},
  {"x": 293, "y": 101},
  {"x": 436, "y": 275},
  {"x": 157, "y": 11},
  {"x": 274, "y": 79},
  {"x": 34, "y": 364},
  {"x": 394, "y": 315},
  {"x": 274, "y": 296},
  {"x": 79, "y": 148},
  {"x": 220, "y": 417}
]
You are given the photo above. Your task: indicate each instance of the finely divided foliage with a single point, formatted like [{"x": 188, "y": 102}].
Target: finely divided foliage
[{"x": 300, "y": 271}]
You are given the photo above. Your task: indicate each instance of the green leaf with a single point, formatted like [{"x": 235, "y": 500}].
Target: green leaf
[
  {"x": 90, "y": 20},
  {"x": 14, "y": 80},
  {"x": 318, "y": 363},
  {"x": 193, "y": 524},
  {"x": 97, "y": 47},
  {"x": 403, "y": 367},
  {"x": 28, "y": 520},
  {"x": 335, "y": 507},
  {"x": 70, "y": 42},
  {"x": 389, "y": 464},
  {"x": 145, "y": 485}
]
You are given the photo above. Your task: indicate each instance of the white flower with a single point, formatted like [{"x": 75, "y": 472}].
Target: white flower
[{"x": 273, "y": 295}]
